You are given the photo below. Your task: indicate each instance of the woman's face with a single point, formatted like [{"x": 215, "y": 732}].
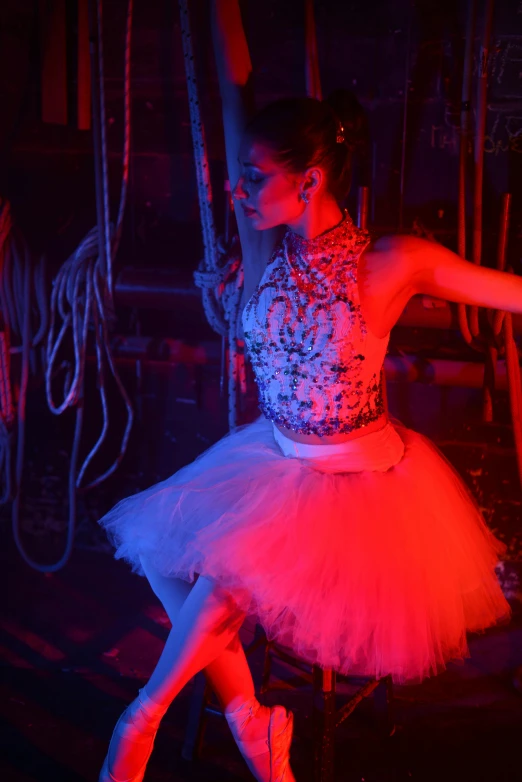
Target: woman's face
[{"x": 266, "y": 191}]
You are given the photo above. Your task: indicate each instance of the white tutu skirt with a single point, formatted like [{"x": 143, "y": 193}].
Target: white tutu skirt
[{"x": 370, "y": 571}]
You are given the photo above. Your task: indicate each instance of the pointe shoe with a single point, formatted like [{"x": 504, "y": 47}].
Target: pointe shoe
[
  {"x": 276, "y": 745},
  {"x": 280, "y": 730},
  {"x": 132, "y": 730}
]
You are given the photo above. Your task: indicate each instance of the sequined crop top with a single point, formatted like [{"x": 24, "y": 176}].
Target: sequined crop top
[{"x": 316, "y": 365}]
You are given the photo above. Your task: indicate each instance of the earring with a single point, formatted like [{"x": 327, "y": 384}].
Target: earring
[{"x": 305, "y": 197}]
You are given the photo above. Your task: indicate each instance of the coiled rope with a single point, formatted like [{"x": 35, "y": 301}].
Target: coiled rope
[
  {"x": 81, "y": 303},
  {"x": 19, "y": 276}
]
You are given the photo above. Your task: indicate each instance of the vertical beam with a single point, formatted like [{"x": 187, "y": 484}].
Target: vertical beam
[
  {"x": 480, "y": 132},
  {"x": 402, "y": 180},
  {"x": 465, "y": 126},
  {"x": 54, "y": 61},
  {"x": 83, "y": 67},
  {"x": 465, "y": 140},
  {"x": 383, "y": 701},
  {"x": 324, "y": 718},
  {"x": 197, "y": 719},
  {"x": 95, "y": 12},
  {"x": 312, "y": 75},
  {"x": 362, "y": 208}
]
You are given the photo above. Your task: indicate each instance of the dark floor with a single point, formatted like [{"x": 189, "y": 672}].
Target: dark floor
[{"x": 76, "y": 645}]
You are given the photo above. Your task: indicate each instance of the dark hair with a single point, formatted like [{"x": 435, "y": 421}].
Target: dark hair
[{"x": 304, "y": 132}]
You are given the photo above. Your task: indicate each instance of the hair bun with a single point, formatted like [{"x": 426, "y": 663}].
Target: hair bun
[
  {"x": 352, "y": 119},
  {"x": 305, "y": 132}
]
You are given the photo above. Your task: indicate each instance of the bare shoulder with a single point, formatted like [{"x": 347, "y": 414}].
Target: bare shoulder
[
  {"x": 414, "y": 253},
  {"x": 408, "y": 260},
  {"x": 399, "y": 249},
  {"x": 387, "y": 262},
  {"x": 398, "y": 243}
]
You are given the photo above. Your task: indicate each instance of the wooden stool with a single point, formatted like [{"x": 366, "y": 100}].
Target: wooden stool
[{"x": 326, "y": 717}]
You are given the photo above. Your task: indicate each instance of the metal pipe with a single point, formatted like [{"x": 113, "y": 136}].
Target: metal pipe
[
  {"x": 374, "y": 179},
  {"x": 465, "y": 137},
  {"x": 97, "y": 131},
  {"x": 480, "y": 130},
  {"x": 465, "y": 126},
  {"x": 312, "y": 74},
  {"x": 174, "y": 351},
  {"x": 443, "y": 316},
  {"x": 229, "y": 211},
  {"x": 440, "y": 372},
  {"x": 504, "y": 230},
  {"x": 407, "y": 368},
  {"x": 161, "y": 289},
  {"x": 362, "y": 207},
  {"x": 171, "y": 289},
  {"x": 405, "y": 122},
  {"x": 504, "y": 320},
  {"x": 515, "y": 388},
  {"x": 498, "y": 316},
  {"x": 490, "y": 382}
]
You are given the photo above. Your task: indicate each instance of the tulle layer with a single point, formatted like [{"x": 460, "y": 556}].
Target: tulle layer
[{"x": 371, "y": 573}]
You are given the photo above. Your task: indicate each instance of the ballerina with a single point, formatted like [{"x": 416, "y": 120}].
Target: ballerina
[{"x": 349, "y": 536}]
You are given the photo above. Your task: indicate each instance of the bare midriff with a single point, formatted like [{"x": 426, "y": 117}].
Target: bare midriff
[{"x": 334, "y": 439}]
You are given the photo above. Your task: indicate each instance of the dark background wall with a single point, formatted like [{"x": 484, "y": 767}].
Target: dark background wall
[{"x": 378, "y": 49}]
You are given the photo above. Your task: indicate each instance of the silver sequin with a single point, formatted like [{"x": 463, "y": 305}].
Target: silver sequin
[{"x": 307, "y": 339}]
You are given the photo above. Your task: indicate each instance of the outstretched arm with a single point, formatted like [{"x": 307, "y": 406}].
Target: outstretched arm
[
  {"x": 436, "y": 271},
  {"x": 235, "y": 83},
  {"x": 234, "y": 70}
]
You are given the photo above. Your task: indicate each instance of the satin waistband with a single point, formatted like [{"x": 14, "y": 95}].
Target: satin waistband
[{"x": 377, "y": 451}]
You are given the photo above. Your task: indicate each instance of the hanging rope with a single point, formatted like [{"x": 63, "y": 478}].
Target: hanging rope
[
  {"x": 20, "y": 278},
  {"x": 7, "y": 412},
  {"x": 80, "y": 287},
  {"x": 81, "y": 304},
  {"x": 220, "y": 273}
]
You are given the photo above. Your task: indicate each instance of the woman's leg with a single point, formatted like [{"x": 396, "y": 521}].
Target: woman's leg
[
  {"x": 229, "y": 674},
  {"x": 206, "y": 628},
  {"x": 207, "y": 623}
]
